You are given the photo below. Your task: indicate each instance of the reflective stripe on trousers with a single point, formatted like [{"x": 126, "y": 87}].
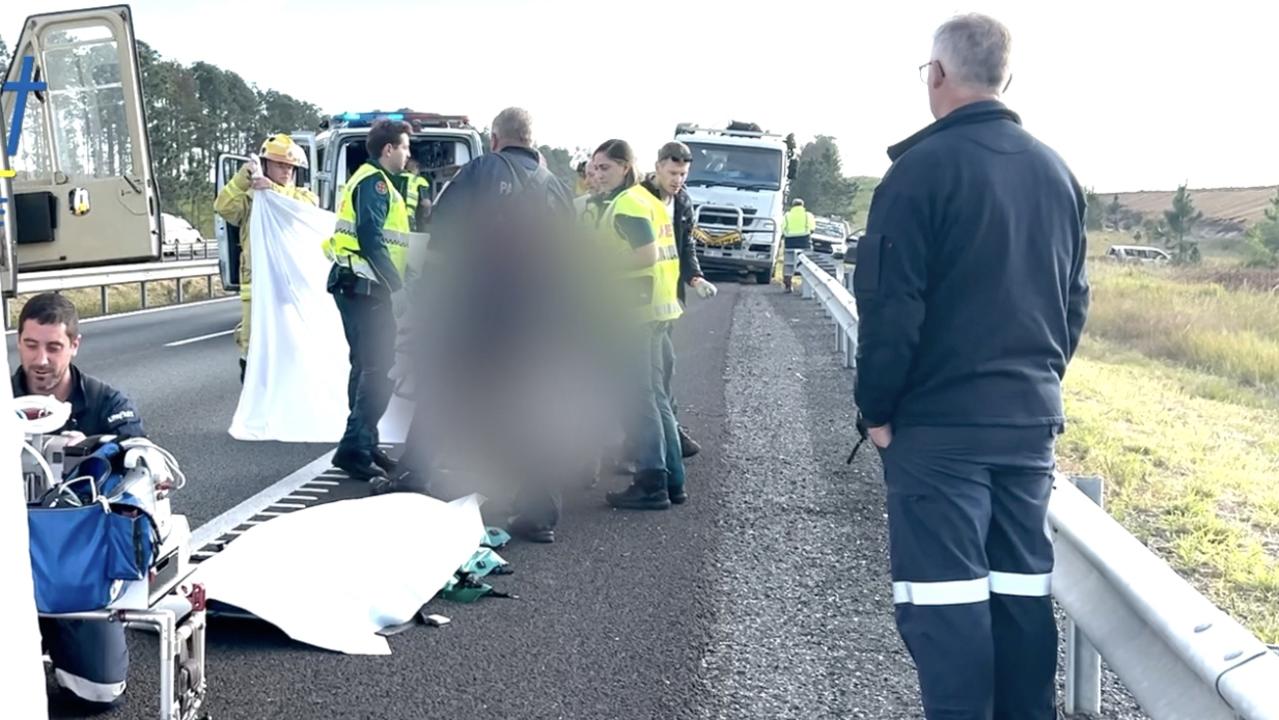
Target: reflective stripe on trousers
[{"x": 960, "y": 592}]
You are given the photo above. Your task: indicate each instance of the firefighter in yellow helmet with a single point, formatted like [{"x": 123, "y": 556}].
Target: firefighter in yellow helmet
[{"x": 275, "y": 171}]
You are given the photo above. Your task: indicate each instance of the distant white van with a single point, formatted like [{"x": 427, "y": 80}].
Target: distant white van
[
  {"x": 181, "y": 239},
  {"x": 1137, "y": 254}
]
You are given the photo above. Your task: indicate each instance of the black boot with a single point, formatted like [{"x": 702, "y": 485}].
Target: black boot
[
  {"x": 406, "y": 481},
  {"x": 647, "y": 492},
  {"x": 525, "y": 529},
  {"x": 357, "y": 469},
  {"x": 243, "y": 364},
  {"x": 688, "y": 446},
  {"x": 384, "y": 461}
]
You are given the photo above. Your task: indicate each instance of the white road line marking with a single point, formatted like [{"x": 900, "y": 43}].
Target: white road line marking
[
  {"x": 330, "y": 483},
  {"x": 210, "y": 336},
  {"x": 302, "y": 498},
  {"x": 259, "y": 503},
  {"x": 295, "y": 506},
  {"x": 147, "y": 311},
  {"x": 315, "y": 489}
]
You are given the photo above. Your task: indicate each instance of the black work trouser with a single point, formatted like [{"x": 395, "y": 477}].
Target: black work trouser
[
  {"x": 370, "y": 333},
  {"x": 972, "y": 559}
]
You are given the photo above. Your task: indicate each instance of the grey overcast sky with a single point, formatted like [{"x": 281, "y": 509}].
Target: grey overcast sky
[{"x": 1135, "y": 94}]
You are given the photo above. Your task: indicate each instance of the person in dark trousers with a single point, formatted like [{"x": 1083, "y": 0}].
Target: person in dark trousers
[
  {"x": 667, "y": 185},
  {"x": 90, "y": 658},
  {"x": 490, "y": 309},
  {"x": 369, "y": 250},
  {"x": 972, "y": 295}
]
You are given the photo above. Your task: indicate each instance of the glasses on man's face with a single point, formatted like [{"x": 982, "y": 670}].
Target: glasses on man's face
[
  {"x": 924, "y": 70},
  {"x": 924, "y": 74}
]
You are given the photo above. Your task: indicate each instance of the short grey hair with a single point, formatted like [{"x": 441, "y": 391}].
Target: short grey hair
[
  {"x": 514, "y": 126},
  {"x": 974, "y": 50}
]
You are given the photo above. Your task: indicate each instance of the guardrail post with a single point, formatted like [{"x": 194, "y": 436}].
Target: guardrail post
[
  {"x": 209, "y": 280},
  {"x": 144, "y": 294},
  {"x": 1083, "y": 662},
  {"x": 179, "y": 281}
]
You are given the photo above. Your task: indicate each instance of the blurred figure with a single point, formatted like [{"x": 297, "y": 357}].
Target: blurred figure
[{"x": 506, "y": 389}]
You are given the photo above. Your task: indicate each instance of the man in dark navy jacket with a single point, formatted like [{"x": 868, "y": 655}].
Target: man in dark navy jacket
[
  {"x": 90, "y": 659},
  {"x": 972, "y": 294}
]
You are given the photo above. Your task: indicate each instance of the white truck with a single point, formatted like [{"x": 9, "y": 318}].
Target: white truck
[
  {"x": 737, "y": 182},
  {"x": 441, "y": 144}
]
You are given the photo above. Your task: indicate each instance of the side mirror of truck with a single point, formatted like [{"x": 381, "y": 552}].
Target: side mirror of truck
[{"x": 793, "y": 170}]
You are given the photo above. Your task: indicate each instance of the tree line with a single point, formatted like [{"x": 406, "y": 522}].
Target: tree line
[{"x": 826, "y": 191}]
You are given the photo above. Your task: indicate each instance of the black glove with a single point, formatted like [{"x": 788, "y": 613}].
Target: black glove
[{"x": 861, "y": 431}]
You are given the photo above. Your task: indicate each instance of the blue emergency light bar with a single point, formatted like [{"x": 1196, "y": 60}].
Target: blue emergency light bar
[{"x": 366, "y": 119}]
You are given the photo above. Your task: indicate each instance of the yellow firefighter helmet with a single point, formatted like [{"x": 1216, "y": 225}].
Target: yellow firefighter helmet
[{"x": 281, "y": 148}]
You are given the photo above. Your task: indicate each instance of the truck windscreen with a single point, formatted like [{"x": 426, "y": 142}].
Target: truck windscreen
[{"x": 735, "y": 166}]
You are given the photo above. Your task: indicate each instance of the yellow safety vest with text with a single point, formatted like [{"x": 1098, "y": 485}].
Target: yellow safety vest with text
[
  {"x": 638, "y": 202},
  {"x": 799, "y": 222},
  {"x": 344, "y": 246}
]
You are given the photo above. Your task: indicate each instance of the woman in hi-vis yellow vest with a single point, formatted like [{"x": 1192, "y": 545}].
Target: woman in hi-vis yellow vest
[{"x": 637, "y": 226}]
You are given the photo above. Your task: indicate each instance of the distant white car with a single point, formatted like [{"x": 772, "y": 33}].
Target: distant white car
[
  {"x": 831, "y": 237},
  {"x": 181, "y": 239},
  {"x": 1138, "y": 254}
]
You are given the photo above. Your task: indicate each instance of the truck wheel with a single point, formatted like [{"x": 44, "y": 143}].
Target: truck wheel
[{"x": 764, "y": 277}]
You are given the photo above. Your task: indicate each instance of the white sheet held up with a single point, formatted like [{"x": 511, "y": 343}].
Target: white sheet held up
[{"x": 295, "y": 386}]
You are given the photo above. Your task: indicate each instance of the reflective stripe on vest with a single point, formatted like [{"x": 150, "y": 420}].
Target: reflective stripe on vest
[
  {"x": 636, "y": 201},
  {"x": 344, "y": 246}
]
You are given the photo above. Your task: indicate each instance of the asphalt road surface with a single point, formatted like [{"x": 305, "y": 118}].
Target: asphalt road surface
[{"x": 766, "y": 596}]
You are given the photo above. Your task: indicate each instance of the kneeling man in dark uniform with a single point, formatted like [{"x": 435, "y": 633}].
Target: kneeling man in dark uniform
[{"x": 90, "y": 659}]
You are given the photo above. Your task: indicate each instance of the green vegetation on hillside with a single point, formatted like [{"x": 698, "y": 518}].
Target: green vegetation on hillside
[{"x": 1174, "y": 400}]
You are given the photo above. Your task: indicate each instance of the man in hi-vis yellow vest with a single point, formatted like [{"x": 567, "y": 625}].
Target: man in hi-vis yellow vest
[
  {"x": 369, "y": 250},
  {"x": 797, "y": 233}
]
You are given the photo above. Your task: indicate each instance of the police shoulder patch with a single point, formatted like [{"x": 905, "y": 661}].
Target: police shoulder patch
[{"x": 381, "y": 187}]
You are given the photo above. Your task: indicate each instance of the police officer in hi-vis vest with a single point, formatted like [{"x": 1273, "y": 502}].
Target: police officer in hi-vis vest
[{"x": 369, "y": 250}]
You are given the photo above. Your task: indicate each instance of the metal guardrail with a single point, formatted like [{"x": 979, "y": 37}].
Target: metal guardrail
[
  {"x": 1177, "y": 653},
  {"x": 49, "y": 280},
  {"x": 105, "y": 277},
  {"x": 838, "y": 303}
]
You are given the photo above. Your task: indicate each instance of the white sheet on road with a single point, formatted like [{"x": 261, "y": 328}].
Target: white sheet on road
[
  {"x": 332, "y": 575},
  {"x": 295, "y": 387}
]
